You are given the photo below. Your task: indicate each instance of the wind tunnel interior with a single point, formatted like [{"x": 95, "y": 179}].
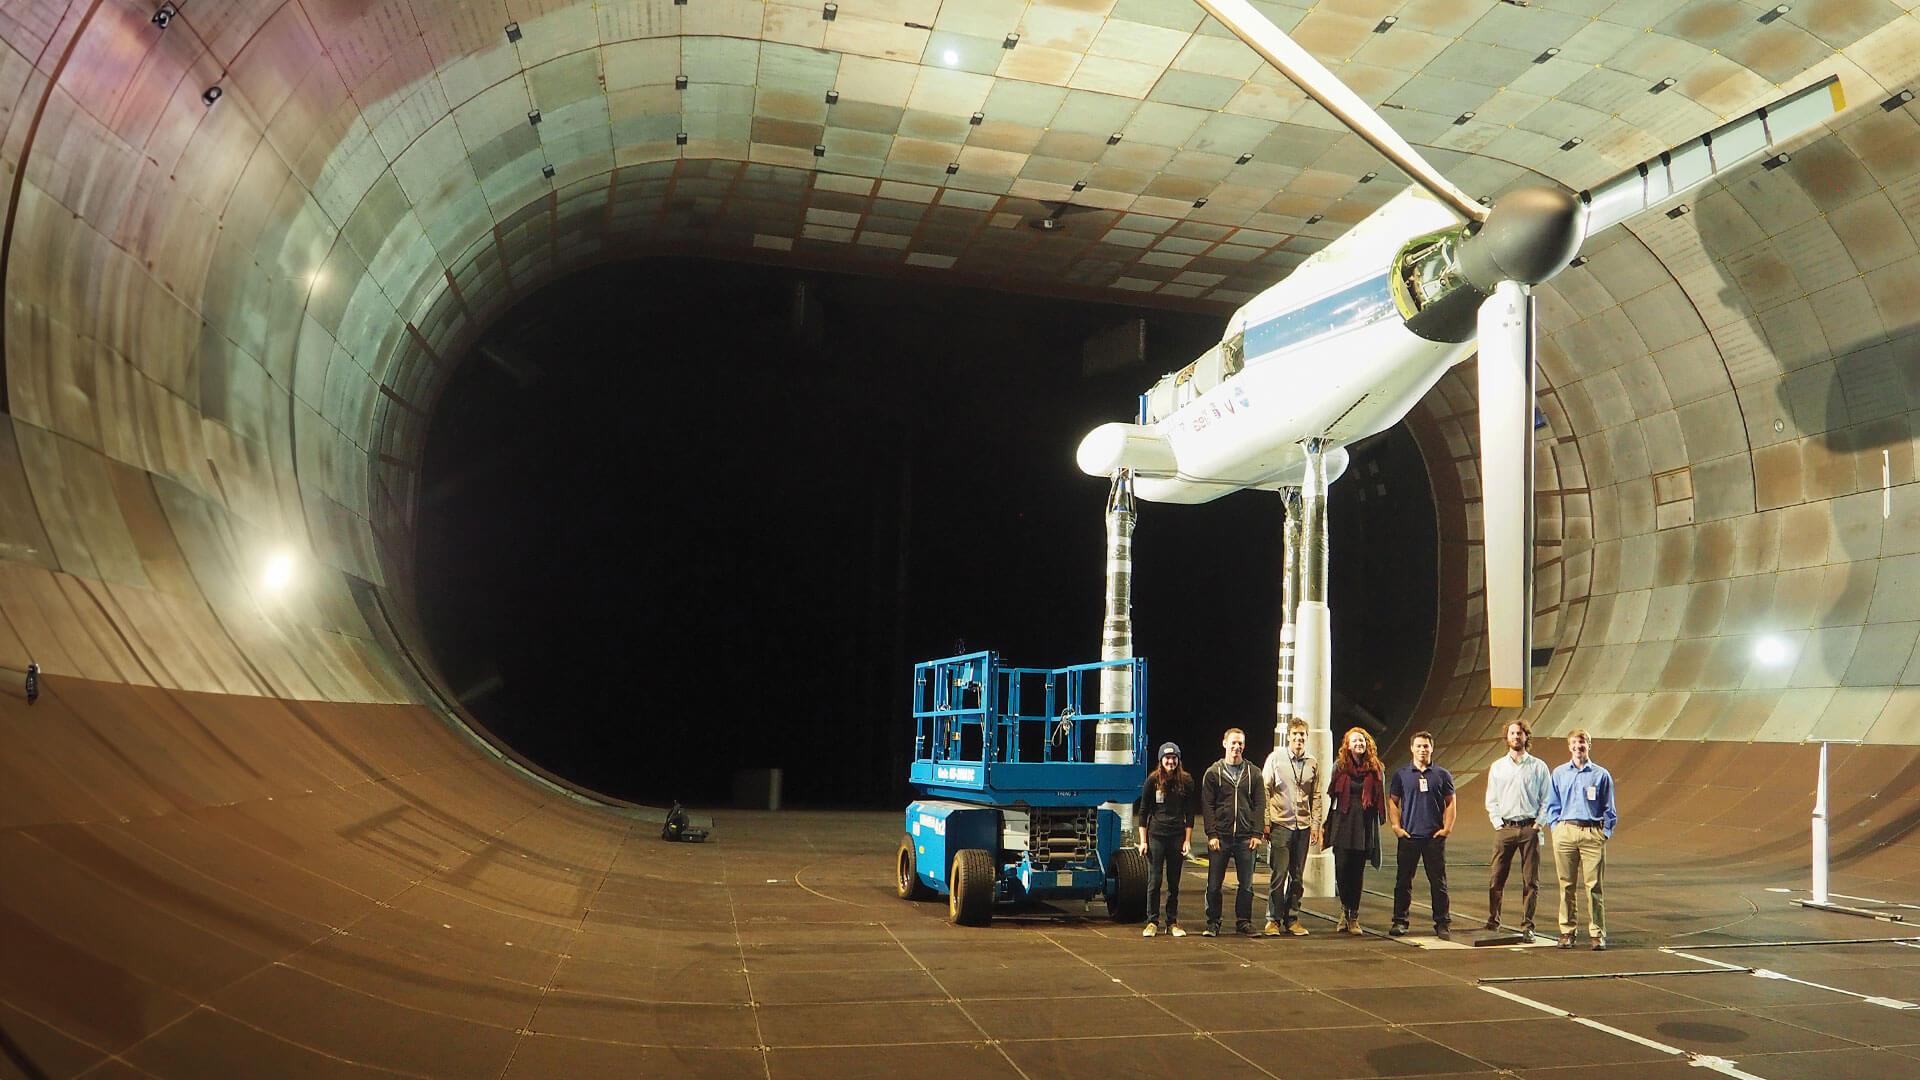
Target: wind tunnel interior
[{"x": 242, "y": 832}]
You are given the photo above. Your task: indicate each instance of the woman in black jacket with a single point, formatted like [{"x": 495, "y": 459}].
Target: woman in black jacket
[
  {"x": 1358, "y": 804},
  {"x": 1164, "y": 817}
]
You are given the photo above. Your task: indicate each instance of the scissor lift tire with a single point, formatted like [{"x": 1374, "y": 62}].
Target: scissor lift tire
[
  {"x": 1130, "y": 886},
  {"x": 970, "y": 888},
  {"x": 908, "y": 878}
]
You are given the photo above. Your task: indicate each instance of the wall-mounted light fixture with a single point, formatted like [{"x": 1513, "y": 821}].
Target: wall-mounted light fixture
[
  {"x": 1079, "y": 185},
  {"x": 1199, "y": 202},
  {"x": 547, "y": 171},
  {"x": 976, "y": 119},
  {"x": 1897, "y": 100},
  {"x": 533, "y": 117},
  {"x": 210, "y": 95},
  {"x": 163, "y": 15},
  {"x": 1386, "y": 24},
  {"x": 1663, "y": 85},
  {"x": 679, "y": 82},
  {"x": 952, "y": 167},
  {"x": 1464, "y": 117},
  {"x": 1315, "y": 219},
  {"x": 1546, "y": 56},
  {"x": 1776, "y": 161},
  {"x": 1370, "y": 178},
  {"x": 1571, "y": 143},
  {"x": 830, "y": 12},
  {"x": 819, "y": 150},
  {"x": 1010, "y": 41},
  {"x": 833, "y": 97},
  {"x": 1578, "y": 260},
  {"x": 1769, "y": 16},
  {"x": 1243, "y": 158},
  {"x": 513, "y": 32},
  {"x": 1680, "y": 211},
  {"x": 679, "y": 138},
  {"x": 1113, "y": 139}
]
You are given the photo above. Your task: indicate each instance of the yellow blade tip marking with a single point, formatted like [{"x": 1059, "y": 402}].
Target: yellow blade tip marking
[{"x": 1506, "y": 698}]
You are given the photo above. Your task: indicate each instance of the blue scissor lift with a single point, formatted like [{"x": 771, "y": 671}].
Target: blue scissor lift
[{"x": 1010, "y": 808}]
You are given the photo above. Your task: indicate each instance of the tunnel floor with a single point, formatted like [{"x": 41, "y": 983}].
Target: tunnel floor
[{"x": 572, "y": 943}]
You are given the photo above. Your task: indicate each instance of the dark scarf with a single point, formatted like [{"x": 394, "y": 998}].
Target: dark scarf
[{"x": 1372, "y": 796}]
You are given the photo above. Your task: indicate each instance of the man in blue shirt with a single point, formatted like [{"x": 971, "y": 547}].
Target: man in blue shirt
[
  {"x": 1421, "y": 808},
  {"x": 1580, "y": 816}
]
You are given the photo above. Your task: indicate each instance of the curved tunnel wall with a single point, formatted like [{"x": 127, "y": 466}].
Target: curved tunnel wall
[{"x": 224, "y": 326}]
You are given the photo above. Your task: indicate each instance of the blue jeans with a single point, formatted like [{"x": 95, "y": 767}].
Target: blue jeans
[{"x": 1240, "y": 850}]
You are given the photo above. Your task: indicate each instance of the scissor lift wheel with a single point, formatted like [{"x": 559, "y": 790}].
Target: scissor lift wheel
[
  {"x": 908, "y": 880},
  {"x": 1130, "y": 887},
  {"x": 970, "y": 888}
]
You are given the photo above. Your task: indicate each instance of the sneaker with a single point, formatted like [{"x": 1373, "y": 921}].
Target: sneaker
[
  {"x": 1149, "y": 930},
  {"x": 1354, "y": 927},
  {"x": 1599, "y": 944},
  {"x": 1175, "y": 930},
  {"x": 1214, "y": 931},
  {"x": 1398, "y": 929},
  {"x": 1296, "y": 929},
  {"x": 1492, "y": 924},
  {"x": 1566, "y": 941},
  {"x": 1526, "y": 937},
  {"x": 1441, "y": 933},
  {"x": 1243, "y": 928},
  {"x": 1272, "y": 929}
]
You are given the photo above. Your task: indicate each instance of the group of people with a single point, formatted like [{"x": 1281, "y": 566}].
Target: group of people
[{"x": 1286, "y": 808}]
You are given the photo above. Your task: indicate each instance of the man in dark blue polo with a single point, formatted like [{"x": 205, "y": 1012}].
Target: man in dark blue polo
[{"x": 1421, "y": 808}]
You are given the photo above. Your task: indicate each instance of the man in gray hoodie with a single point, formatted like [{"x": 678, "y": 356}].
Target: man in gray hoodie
[{"x": 1233, "y": 811}]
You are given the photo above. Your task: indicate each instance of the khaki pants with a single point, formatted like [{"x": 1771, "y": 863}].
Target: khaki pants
[
  {"x": 1580, "y": 859},
  {"x": 1524, "y": 842}
]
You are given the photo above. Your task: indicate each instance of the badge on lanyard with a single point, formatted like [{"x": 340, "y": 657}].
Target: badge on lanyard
[
  {"x": 1593, "y": 792},
  {"x": 1160, "y": 795},
  {"x": 1423, "y": 783}
]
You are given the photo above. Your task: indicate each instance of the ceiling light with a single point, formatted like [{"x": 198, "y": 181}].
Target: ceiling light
[
  {"x": 1243, "y": 158},
  {"x": 1199, "y": 202},
  {"x": 1386, "y": 24},
  {"x": 210, "y": 95},
  {"x": 513, "y": 32},
  {"x": 1546, "y": 56},
  {"x": 1315, "y": 219},
  {"x": 1113, "y": 139},
  {"x": 1011, "y": 41},
  {"x": 1897, "y": 100},
  {"x": 164, "y": 14},
  {"x": 1464, "y": 117},
  {"x": 1680, "y": 211},
  {"x": 1775, "y": 13},
  {"x": 679, "y": 82},
  {"x": 829, "y": 12},
  {"x": 1079, "y": 185},
  {"x": 952, "y": 167},
  {"x": 1370, "y": 178},
  {"x": 533, "y": 117},
  {"x": 1776, "y": 161},
  {"x": 819, "y": 151},
  {"x": 680, "y": 138},
  {"x": 976, "y": 118},
  {"x": 1662, "y": 86},
  {"x": 278, "y": 572},
  {"x": 1578, "y": 260},
  {"x": 547, "y": 171},
  {"x": 950, "y": 58},
  {"x": 1771, "y": 650},
  {"x": 1571, "y": 143},
  {"x": 833, "y": 97}
]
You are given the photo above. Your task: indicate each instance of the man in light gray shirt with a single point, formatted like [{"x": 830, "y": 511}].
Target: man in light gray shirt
[
  {"x": 1516, "y": 798},
  {"x": 1296, "y": 809}
]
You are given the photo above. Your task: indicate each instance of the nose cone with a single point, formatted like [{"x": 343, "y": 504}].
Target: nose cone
[{"x": 1530, "y": 235}]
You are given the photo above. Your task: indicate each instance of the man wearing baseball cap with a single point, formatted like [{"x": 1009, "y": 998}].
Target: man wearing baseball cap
[{"x": 1164, "y": 817}]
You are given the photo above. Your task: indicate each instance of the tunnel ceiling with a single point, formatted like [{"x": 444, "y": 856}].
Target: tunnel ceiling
[{"x": 243, "y": 250}]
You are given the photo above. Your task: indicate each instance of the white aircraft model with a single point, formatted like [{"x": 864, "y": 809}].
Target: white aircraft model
[{"x": 1349, "y": 342}]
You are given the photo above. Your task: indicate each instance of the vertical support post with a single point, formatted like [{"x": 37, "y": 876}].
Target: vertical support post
[
  {"x": 1289, "y": 602},
  {"x": 1820, "y": 832},
  {"x": 1313, "y": 646}
]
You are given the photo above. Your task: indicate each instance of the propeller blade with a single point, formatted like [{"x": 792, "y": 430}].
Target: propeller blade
[
  {"x": 1506, "y": 489},
  {"x": 1312, "y": 77},
  {"x": 1728, "y": 146}
]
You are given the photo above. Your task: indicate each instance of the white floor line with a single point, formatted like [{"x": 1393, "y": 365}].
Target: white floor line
[
  {"x": 1704, "y": 1061},
  {"x": 1764, "y": 973},
  {"x": 1871, "y": 900}
]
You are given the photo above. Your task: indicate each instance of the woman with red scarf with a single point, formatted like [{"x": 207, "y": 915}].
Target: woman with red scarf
[{"x": 1359, "y": 806}]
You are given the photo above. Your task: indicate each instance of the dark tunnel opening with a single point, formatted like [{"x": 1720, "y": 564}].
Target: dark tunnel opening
[{"x": 683, "y": 518}]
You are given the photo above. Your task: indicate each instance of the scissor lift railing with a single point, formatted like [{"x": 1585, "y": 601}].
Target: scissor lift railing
[{"x": 1004, "y": 736}]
